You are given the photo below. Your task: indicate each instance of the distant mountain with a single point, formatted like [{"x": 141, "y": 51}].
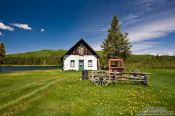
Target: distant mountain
[{"x": 40, "y": 53}]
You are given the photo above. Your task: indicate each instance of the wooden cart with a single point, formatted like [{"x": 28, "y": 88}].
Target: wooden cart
[{"x": 116, "y": 74}]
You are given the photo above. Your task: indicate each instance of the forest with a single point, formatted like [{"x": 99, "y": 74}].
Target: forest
[{"x": 53, "y": 57}]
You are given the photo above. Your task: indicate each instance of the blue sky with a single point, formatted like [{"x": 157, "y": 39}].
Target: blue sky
[{"x": 27, "y": 25}]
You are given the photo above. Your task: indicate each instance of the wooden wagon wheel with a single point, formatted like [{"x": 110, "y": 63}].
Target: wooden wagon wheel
[{"x": 101, "y": 78}]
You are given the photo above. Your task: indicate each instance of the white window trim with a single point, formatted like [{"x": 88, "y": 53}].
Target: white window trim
[
  {"x": 72, "y": 65},
  {"x": 90, "y": 64}
]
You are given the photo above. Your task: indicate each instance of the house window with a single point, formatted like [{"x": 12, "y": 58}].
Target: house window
[
  {"x": 72, "y": 63},
  {"x": 81, "y": 51},
  {"x": 89, "y": 63}
]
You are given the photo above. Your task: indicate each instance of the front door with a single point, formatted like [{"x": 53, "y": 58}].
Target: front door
[{"x": 81, "y": 64}]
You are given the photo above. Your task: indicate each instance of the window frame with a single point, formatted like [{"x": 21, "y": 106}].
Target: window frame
[
  {"x": 72, "y": 63},
  {"x": 90, "y": 65}
]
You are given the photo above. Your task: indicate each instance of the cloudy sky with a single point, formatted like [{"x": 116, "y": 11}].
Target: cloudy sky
[{"x": 27, "y": 25}]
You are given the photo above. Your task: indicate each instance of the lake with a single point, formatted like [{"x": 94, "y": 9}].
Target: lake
[{"x": 20, "y": 68}]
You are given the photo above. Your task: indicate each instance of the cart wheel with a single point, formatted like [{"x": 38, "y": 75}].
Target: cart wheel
[
  {"x": 101, "y": 82},
  {"x": 101, "y": 79}
]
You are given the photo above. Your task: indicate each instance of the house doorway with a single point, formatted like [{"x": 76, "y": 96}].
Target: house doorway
[{"x": 81, "y": 64}]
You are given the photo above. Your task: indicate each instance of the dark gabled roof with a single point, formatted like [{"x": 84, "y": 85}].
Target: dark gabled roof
[{"x": 87, "y": 45}]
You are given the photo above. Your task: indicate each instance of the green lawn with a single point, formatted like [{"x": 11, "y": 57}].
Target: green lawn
[{"x": 54, "y": 92}]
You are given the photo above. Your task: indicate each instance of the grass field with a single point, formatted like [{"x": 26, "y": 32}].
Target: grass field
[{"x": 53, "y": 92}]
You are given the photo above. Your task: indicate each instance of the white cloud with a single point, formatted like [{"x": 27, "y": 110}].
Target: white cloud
[
  {"x": 5, "y": 27},
  {"x": 97, "y": 46},
  {"x": 145, "y": 4},
  {"x": 1, "y": 33},
  {"x": 42, "y": 30},
  {"x": 169, "y": 52},
  {"x": 131, "y": 18},
  {"x": 152, "y": 48},
  {"x": 22, "y": 26},
  {"x": 149, "y": 5},
  {"x": 152, "y": 29},
  {"x": 140, "y": 47}
]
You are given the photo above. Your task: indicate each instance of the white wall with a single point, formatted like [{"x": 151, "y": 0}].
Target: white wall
[{"x": 67, "y": 58}]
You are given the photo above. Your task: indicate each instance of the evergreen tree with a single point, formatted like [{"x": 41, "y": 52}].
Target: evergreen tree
[
  {"x": 2, "y": 52},
  {"x": 116, "y": 44}
]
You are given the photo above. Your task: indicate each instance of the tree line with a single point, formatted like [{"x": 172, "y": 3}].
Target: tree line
[
  {"x": 2, "y": 52},
  {"x": 143, "y": 61},
  {"x": 53, "y": 57},
  {"x": 42, "y": 57},
  {"x": 32, "y": 60}
]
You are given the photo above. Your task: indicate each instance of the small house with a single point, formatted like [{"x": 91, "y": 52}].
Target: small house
[{"x": 80, "y": 57}]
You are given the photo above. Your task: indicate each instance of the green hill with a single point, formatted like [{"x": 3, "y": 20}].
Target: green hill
[
  {"x": 40, "y": 53},
  {"x": 41, "y": 57},
  {"x": 53, "y": 57}
]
